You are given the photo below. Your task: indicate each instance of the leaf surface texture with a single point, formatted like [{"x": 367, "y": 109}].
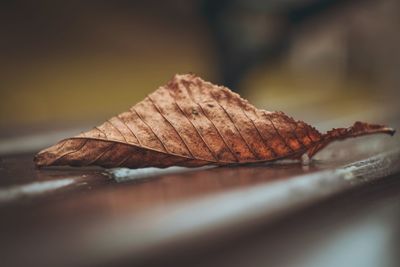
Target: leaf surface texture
[{"x": 190, "y": 122}]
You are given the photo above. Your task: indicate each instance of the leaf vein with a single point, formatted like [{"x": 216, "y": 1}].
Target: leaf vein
[
  {"x": 70, "y": 152},
  {"x": 129, "y": 128},
  {"x": 108, "y": 148},
  {"x": 270, "y": 148},
  {"x": 237, "y": 129},
  {"x": 198, "y": 132},
  {"x": 151, "y": 129},
  {"x": 215, "y": 127},
  {"x": 173, "y": 127},
  {"x": 118, "y": 130},
  {"x": 278, "y": 133}
]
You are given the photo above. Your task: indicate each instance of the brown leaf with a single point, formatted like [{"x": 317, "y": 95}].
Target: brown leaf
[{"x": 190, "y": 122}]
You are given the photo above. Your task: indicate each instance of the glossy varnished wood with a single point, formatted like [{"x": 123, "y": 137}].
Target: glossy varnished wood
[{"x": 93, "y": 216}]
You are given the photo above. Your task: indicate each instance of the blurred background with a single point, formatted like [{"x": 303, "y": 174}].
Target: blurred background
[{"x": 72, "y": 63}]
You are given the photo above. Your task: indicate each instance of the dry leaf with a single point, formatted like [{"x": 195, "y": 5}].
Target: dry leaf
[{"x": 190, "y": 122}]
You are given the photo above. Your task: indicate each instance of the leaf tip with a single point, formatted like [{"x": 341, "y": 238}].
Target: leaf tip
[
  {"x": 363, "y": 128},
  {"x": 46, "y": 157},
  {"x": 357, "y": 129},
  {"x": 40, "y": 159}
]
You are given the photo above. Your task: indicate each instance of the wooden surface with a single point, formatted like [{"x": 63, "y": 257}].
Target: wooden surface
[{"x": 342, "y": 209}]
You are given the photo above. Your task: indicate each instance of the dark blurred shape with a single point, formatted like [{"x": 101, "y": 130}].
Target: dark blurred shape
[{"x": 248, "y": 33}]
